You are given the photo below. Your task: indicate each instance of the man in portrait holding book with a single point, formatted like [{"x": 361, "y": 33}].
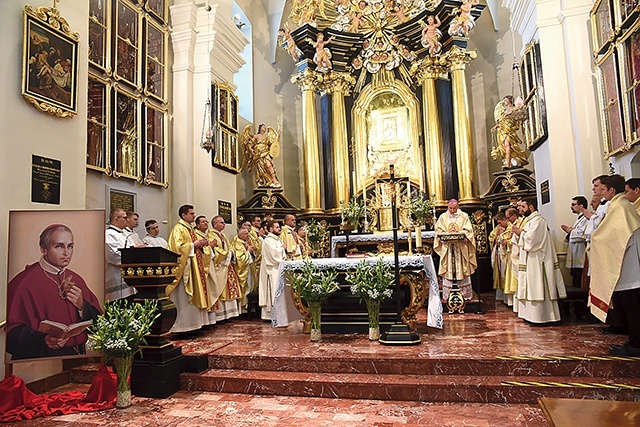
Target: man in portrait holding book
[{"x": 49, "y": 305}]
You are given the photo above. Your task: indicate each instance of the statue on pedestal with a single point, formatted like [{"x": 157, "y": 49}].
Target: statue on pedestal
[{"x": 259, "y": 151}]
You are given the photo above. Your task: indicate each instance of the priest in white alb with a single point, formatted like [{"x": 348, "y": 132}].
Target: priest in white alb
[
  {"x": 273, "y": 253},
  {"x": 540, "y": 282}
]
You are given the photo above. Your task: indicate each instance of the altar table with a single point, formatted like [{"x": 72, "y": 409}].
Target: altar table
[
  {"x": 375, "y": 238},
  {"x": 285, "y": 311}
]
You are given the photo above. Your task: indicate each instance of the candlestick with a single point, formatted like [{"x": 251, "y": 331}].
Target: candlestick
[
  {"x": 418, "y": 237},
  {"x": 353, "y": 177}
]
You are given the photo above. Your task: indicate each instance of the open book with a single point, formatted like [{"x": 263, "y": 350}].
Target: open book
[{"x": 62, "y": 331}]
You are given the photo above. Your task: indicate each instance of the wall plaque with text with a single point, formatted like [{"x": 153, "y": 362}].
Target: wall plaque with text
[
  {"x": 45, "y": 180},
  {"x": 224, "y": 210},
  {"x": 544, "y": 192}
]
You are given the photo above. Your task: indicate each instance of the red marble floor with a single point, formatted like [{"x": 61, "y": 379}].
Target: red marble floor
[
  {"x": 196, "y": 409},
  {"x": 468, "y": 344}
]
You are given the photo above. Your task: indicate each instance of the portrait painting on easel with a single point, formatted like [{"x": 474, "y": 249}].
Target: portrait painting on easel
[{"x": 55, "y": 283}]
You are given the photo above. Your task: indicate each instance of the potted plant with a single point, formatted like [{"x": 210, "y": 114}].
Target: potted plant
[
  {"x": 372, "y": 283},
  {"x": 314, "y": 286},
  {"x": 118, "y": 335},
  {"x": 352, "y": 214}
]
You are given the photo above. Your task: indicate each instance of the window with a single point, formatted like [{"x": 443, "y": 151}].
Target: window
[
  {"x": 225, "y": 119},
  {"x": 127, "y": 91}
]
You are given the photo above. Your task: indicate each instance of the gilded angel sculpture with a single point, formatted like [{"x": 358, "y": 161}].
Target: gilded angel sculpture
[
  {"x": 507, "y": 143},
  {"x": 259, "y": 151}
]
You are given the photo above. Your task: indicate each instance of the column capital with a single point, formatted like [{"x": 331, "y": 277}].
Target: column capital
[
  {"x": 307, "y": 79},
  {"x": 336, "y": 82},
  {"x": 459, "y": 58},
  {"x": 436, "y": 67}
]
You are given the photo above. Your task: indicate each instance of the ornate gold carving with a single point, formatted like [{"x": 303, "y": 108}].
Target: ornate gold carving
[
  {"x": 459, "y": 58},
  {"x": 140, "y": 271},
  {"x": 456, "y": 302},
  {"x": 418, "y": 286},
  {"x": 52, "y": 17},
  {"x": 335, "y": 82},
  {"x": 307, "y": 80},
  {"x": 430, "y": 68},
  {"x": 268, "y": 200},
  {"x": 158, "y": 271},
  {"x": 149, "y": 271},
  {"x": 510, "y": 183},
  {"x": 130, "y": 271}
]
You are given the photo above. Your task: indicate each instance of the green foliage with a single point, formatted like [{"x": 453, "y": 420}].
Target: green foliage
[
  {"x": 371, "y": 282},
  {"x": 317, "y": 236},
  {"x": 121, "y": 330},
  {"x": 422, "y": 210},
  {"x": 353, "y": 213},
  {"x": 312, "y": 284}
]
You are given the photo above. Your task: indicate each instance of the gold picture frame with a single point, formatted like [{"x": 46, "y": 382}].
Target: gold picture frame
[{"x": 50, "y": 62}]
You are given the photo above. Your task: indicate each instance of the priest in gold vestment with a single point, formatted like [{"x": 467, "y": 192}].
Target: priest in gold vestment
[
  {"x": 243, "y": 250},
  {"x": 225, "y": 272},
  {"x": 499, "y": 255},
  {"x": 190, "y": 291},
  {"x": 289, "y": 236},
  {"x": 457, "y": 258}
]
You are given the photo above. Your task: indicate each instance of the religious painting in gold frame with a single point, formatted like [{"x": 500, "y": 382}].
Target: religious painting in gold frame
[
  {"x": 609, "y": 100},
  {"x": 155, "y": 157},
  {"x": 98, "y": 105},
  {"x": 127, "y": 138},
  {"x": 386, "y": 124},
  {"x": 602, "y": 31},
  {"x": 50, "y": 62},
  {"x": 535, "y": 126},
  {"x": 628, "y": 51}
]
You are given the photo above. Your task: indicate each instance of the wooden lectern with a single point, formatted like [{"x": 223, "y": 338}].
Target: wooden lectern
[{"x": 157, "y": 372}]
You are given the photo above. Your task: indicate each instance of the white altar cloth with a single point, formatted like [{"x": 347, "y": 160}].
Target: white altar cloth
[
  {"x": 284, "y": 311},
  {"x": 375, "y": 238}
]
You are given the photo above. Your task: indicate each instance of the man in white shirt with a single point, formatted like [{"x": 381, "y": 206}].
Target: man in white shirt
[
  {"x": 116, "y": 239},
  {"x": 153, "y": 238},
  {"x": 132, "y": 238},
  {"x": 577, "y": 243}
]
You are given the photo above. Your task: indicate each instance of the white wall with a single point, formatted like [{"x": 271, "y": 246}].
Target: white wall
[{"x": 26, "y": 131}]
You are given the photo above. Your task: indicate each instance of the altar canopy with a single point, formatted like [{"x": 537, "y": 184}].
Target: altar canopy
[{"x": 395, "y": 68}]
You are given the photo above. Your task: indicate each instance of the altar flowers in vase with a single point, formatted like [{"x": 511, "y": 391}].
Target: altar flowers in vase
[
  {"x": 372, "y": 283},
  {"x": 352, "y": 214},
  {"x": 314, "y": 287},
  {"x": 118, "y": 335}
]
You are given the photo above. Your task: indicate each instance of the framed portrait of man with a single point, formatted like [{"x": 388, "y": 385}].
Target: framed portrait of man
[{"x": 55, "y": 283}]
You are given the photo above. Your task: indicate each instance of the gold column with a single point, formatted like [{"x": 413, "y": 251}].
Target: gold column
[
  {"x": 426, "y": 72},
  {"x": 459, "y": 59},
  {"x": 339, "y": 85},
  {"x": 307, "y": 81}
]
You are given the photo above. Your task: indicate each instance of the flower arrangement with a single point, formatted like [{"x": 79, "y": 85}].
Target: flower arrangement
[
  {"x": 372, "y": 283},
  {"x": 352, "y": 213},
  {"x": 422, "y": 210},
  {"x": 318, "y": 238},
  {"x": 314, "y": 286},
  {"x": 118, "y": 335}
]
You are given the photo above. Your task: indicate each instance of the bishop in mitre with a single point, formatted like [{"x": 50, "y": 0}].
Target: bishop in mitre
[{"x": 457, "y": 257}]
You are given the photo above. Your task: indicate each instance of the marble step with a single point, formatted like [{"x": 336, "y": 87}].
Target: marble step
[
  {"x": 436, "y": 388},
  {"x": 363, "y": 364}
]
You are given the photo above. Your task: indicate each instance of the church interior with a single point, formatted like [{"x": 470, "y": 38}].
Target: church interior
[{"x": 276, "y": 107}]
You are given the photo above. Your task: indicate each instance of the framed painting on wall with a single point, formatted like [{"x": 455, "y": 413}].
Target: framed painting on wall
[
  {"x": 610, "y": 108},
  {"x": 629, "y": 57},
  {"x": 50, "y": 62}
]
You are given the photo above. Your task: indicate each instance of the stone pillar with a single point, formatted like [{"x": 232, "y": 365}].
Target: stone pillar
[
  {"x": 465, "y": 159},
  {"x": 308, "y": 81},
  {"x": 183, "y": 40},
  {"x": 339, "y": 85},
  {"x": 426, "y": 72}
]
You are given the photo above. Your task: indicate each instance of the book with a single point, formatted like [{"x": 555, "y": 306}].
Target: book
[{"x": 62, "y": 331}]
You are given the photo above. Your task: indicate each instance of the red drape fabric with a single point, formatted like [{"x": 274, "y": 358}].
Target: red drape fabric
[{"x": 19, "y": 403}]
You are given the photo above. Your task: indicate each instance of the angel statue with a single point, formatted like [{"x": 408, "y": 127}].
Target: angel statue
[
  {"x": 507, "y": 143},
  {"x": 463, "y": 22},
  {"x": 259, "y": 151}
]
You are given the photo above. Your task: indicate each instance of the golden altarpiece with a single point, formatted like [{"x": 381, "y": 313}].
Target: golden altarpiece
[{"x": 389, "y": 79}]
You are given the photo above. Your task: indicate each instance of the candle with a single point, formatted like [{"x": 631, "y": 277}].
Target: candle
[
  {"x": 418, "y": 237},
  {"x": 353, "y": 177}
]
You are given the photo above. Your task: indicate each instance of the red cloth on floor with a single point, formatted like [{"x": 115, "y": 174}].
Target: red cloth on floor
[{"x": 19, "y": 403}]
